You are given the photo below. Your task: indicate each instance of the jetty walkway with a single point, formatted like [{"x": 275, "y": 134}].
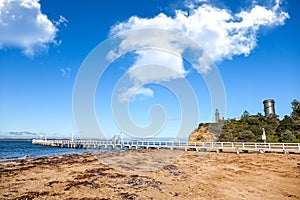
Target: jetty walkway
[{"x": 218, "y": 147}]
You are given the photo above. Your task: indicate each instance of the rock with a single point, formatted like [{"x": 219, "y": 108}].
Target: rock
[{"x": 174, "y": 193}]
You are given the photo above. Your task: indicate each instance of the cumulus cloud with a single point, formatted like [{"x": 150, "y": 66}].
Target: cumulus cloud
[
  {"x": 149, "y": 74},
  {"x": 24, "y": 26},
  {"x": 133, "y": 92},
  {"x": 221, "y": 33},
  {"x": 144, "y": 70}
]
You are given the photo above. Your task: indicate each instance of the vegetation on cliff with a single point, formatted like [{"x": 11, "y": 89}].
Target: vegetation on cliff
[{"x": 249, "y": 128}]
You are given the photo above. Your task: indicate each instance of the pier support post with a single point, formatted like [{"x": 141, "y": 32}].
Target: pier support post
[{"x": 261, "y": 151}]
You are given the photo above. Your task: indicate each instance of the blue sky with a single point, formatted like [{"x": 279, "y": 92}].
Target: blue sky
[{"x": 41, "y": 57}]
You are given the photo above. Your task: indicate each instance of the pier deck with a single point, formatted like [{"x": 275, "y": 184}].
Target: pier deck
[{"x": 237, "y": 147}]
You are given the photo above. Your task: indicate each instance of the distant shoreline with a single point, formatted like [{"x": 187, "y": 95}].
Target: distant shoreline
[
  {"x": 25, "y": 139},
  {"x": 15, "y": 139}
]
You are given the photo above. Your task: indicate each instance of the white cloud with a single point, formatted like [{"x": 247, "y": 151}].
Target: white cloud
[
  {"x": 221, "y": 33},
  {"x": 141, "y": 73},
  {"x": 65, "y": 72},
  {"x": 132, "y": 92},
  {"x": 62, "y": 20},
  {"x": 24, "y": 26},
  {"x": 151, "y": 67}
]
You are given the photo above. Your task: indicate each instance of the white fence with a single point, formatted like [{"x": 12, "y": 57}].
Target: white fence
[{"x": 197, "y": 146}]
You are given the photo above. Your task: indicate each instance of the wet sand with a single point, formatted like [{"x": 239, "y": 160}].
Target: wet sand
[{"x": 153, "y": 174}]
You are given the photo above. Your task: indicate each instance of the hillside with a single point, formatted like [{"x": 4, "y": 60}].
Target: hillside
[
  {"x": 203, "y": 134},
  {"x": 249, "y": 128}
]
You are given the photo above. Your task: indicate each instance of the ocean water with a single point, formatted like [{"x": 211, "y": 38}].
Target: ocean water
[{"x": 14, "y": 150}]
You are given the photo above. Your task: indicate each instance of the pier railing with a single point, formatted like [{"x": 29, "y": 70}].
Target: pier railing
[{"x": 196, "y": 146}]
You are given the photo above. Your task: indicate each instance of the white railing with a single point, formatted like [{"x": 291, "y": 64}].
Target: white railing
[{"x": 295, "y": 147}]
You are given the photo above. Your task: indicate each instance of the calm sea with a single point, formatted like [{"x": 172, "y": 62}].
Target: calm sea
[{"x": 14, "y": 150}]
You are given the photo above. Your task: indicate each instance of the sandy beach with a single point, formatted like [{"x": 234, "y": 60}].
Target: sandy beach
[{"x": 153, "y": 174}]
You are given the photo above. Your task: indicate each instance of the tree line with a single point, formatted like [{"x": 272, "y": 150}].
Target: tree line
[{"x": 249, "y": 127}]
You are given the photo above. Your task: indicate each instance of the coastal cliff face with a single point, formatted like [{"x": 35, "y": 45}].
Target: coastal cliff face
[{"x": 202, "y": 134}]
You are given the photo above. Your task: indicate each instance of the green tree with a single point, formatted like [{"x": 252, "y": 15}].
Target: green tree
[
  {"x": 288, "y": 136},
  {"x": 246, "y": 136},
  {"x": 253, "y": 120},
  {"x": 245, "y": 114},
  {"x": 287, "y": 123},
  {"x": 296, "y": 115},
  {"x": 259, "y": 114},
  {"x": 296, "y": 109},
  {"x": 216, "y": 129}
]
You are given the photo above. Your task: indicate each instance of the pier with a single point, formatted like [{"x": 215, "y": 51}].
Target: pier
[{"x": 238, "y": 147}]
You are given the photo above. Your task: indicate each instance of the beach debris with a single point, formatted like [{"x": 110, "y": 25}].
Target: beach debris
[
  {"x": 142, "y": 182},
  {"x": 85, "y": 176},
  {"x": 172, "y": 169},
  {"x": 32, "y": 195},
  {"x": 77, "y": 184},
  {"x": 52, "y": 182},
  {"x": 98, "y": 170},
  {"x": 116, "y": 175},
  {"x": 128, "y": 196}
]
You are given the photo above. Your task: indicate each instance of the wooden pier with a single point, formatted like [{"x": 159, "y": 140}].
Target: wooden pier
[{"x": 218, "y": 147}]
